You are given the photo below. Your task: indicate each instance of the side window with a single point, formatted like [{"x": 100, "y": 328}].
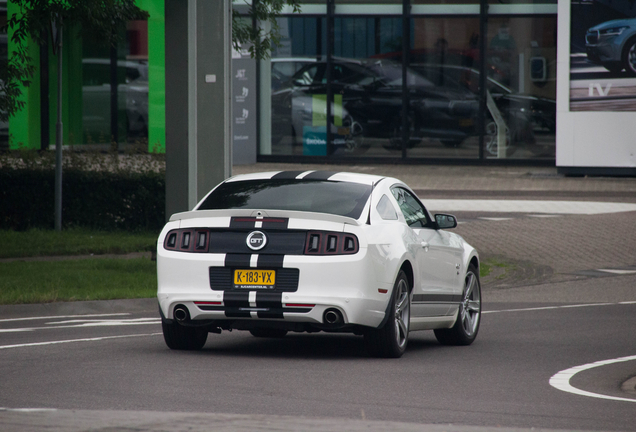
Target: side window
[
  {"x": 386, "y": 209},
  {"x": 311, "y": 75},
  {"x": 413, "y": 212}
]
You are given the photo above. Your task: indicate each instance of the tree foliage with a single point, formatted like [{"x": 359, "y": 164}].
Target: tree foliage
[
  {"x": 105, "y": 21},
  {"x": 261, "y": 40}
]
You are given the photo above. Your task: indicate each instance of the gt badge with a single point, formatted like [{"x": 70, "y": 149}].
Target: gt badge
[{"x": 256, "y": 240}]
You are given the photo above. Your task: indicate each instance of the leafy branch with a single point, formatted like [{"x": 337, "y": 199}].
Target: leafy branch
[{"x": 261, "y": 40}]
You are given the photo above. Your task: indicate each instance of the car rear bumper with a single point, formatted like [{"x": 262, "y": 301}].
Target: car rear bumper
[{"x": 346, "y": 285}]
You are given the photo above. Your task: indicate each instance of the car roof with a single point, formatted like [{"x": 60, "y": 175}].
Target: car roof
[{"x": 339, "y": 176}]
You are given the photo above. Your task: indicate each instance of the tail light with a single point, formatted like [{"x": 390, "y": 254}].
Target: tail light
[
  {"x": 330, "y": 243},
  {"x": 187, "y": 240}
]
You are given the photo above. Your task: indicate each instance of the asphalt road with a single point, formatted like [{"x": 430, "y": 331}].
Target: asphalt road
[
  {"x": 556, "y": 350},
  {"x": 120, "y": 362}
]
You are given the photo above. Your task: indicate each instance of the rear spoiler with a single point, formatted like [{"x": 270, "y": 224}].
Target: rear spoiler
[{"x": 196, "y": 214}]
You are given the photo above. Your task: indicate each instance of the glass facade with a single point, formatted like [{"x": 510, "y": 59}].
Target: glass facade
[
  {"x": 126, "y": 69},
  {"x": 359, "y": 78},
  {"x": 387, "y": 80}
]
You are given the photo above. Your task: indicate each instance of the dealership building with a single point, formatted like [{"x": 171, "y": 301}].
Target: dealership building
[{"x": 367, "y": 81}]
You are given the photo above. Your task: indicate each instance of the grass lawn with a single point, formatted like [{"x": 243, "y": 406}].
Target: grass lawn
[
  {"x": 77, "y": 279},
  {"x": 74, "y": 280},
  {"x": 16, "y": 244}
]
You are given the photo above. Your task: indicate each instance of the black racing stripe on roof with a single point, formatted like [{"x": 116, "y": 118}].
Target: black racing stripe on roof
[
  {"x": 286, "y": 175},
  {"x": 320, "y": 175}
]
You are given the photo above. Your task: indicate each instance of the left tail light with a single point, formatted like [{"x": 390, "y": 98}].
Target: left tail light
[{"x": 187, "y": 240}]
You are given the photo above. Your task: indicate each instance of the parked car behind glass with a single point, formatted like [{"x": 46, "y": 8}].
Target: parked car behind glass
[
  {"x": 612, "y": 44},
  {"x": 372, "y": 101}
]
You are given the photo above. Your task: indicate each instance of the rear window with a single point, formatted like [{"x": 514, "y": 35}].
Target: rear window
[{"x": 338, "y": 198}]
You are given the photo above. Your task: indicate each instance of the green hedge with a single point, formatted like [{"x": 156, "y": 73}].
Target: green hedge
[{"x": 97, "y": 200}]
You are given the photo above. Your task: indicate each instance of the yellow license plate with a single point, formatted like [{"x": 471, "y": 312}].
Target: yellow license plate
[{"x": 254, "y": 279}]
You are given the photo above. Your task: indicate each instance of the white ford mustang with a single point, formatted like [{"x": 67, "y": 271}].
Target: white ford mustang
[{"x": 316, "y": 251}]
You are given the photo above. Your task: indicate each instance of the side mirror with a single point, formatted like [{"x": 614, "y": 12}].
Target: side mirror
[{"x": 445, "y": 221}]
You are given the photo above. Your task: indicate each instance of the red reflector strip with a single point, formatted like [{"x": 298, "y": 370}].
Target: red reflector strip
[
  {"x": 299, "y": 305},
  {"x": 382, "y": 291},
  {"x": 207, "y": 303}
]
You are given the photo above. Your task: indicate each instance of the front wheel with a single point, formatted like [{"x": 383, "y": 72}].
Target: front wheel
[
  {"x": 391, "y": 339},
  {"x": 629, "y": 57},
  {"x": 465, "y": 329}
]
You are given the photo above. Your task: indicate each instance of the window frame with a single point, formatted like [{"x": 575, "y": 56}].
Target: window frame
[{"x": 430, "y": 221}]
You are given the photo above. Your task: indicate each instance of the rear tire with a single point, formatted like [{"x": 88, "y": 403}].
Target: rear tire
[
  {"x": 268, "y": 333},
  {"x": 390, "y": 340},
  {"x": 466, "y": 327},
  {"x": 180, "y": 337}
]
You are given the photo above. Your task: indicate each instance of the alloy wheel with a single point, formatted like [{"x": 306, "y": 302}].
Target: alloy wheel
[
  {"x": 471, "y": 305},
  {"x": 402, "y": 313}
]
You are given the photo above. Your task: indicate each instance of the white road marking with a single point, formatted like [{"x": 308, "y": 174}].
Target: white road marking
[
  {"x": 560, "y": 307},
  {"x": 530, "y": 206},
  {"x": 495, "y": 219},
  {"x": 62, "y": 316},
  {"x": 76, "y": 340},
  {"x": 615, "y": 271},
  {"x": 28, "y": 410},
  {"x": 543, "y": 215},
  {"x": 86, "y": 323},
  {"x": 561, "y": 380}
]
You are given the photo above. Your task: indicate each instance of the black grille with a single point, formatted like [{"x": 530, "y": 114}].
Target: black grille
[
  {"x": 592, "y": 38},
  {"x": 286, "y": 279}
]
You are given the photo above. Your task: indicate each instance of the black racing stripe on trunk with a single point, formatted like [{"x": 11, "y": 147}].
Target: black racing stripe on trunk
[
  {"x": 270, "y": 261},
  {"x": 249, "y": 223},
  {"x": 287, "y": 175},
  {"x": 242, "y": 223},
  {"x": 320, "y": 175},
  {"x": 437, "y": 298},
  {"x": 275, "y": 223},
  {"x": 238, "y": 260}
]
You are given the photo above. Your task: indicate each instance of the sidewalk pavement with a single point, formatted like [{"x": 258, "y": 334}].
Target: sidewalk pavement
[
  {"x": 482, "y": 180},
  {"x": 150, "y": 421}
]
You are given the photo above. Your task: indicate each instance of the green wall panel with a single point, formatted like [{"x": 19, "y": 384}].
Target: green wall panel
[{"x": 156, "y": 74}]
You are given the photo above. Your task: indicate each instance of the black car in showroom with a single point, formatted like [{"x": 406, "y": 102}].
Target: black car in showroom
[
  {"x": 525, "y": 115},
  {"x": 368, "y": 104}
]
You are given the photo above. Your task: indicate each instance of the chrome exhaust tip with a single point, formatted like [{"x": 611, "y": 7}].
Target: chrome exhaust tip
[
  {"x": 332, "y": 316},
  {"x": 181, "y": 314}
]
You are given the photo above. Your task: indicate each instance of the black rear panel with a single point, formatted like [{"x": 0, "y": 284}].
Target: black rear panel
[{"x": 278, "y": 242}]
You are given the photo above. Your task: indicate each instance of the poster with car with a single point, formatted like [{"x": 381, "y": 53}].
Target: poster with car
[{"x": 603, "y": 55}]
